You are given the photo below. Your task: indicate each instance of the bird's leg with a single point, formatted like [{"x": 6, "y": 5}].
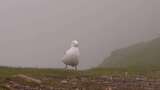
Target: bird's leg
[
  {"x": 66, "y": 67},
  {"x": 76, "y": 68}
]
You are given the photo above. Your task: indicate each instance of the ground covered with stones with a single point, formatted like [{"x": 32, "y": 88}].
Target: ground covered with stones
[{"x": 24, "y": 82}]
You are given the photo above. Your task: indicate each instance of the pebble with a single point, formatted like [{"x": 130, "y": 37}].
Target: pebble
[{"x": 64, "y": 81}]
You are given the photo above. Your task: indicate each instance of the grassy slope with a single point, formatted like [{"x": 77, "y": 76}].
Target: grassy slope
[{"x": 140, "y": 56}]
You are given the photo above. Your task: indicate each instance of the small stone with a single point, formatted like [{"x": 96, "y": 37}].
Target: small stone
[
  {"x": 74, "y": 83},
  {"x": 109, "y": 88},
  {"x": 27, "y": 78},
  {"x": 64, "y": 81},
  {"x": 77, "y": 89}
]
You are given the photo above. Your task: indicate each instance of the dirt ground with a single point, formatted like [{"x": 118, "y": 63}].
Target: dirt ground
[{"x": 22, "y": 82}]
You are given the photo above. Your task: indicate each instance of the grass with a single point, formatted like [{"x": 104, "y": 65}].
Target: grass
[
  {"x": 38, "y": 73},
  {"x": 8, "y": 71},
  {"x": 155, "y": 73}
]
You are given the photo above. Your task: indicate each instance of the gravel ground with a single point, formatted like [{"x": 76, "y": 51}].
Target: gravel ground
[{"x": 22, "y": 82}]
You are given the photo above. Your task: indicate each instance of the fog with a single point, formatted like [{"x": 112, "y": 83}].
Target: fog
[{"x": 36, "y": 33}]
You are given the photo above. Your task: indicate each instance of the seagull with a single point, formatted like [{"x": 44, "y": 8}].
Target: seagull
[{"x": 71, "y": 56}]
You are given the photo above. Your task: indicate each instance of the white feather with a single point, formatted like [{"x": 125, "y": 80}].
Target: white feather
[{"x": 71, "y": 56}]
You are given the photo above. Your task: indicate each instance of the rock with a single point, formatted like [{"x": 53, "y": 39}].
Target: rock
[
  {"x": 126, "y": 74},
  {"x": 74, "y": 83},
  {"x": 30, "y": 79},
  {"x": 77, "y": 89},
  {"x": 83, "y": 79},
  {"x": 109, "y": 88},
  {"x": 64, "y": 81},
  {"x": 74, "y": 80},
  {"x": 7, "y": 86}
]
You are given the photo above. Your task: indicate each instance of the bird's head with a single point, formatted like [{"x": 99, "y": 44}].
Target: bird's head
[{"x": 74, "y": 43}]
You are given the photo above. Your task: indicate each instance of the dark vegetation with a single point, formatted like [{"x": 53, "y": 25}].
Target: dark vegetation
[{"x": 142, "y": 56}]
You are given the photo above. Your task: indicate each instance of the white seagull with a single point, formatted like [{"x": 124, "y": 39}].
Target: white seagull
[{"x": 71, "y": 56}]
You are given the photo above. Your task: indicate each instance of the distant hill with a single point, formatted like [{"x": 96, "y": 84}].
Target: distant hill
[{"x": 142, "y": 55}]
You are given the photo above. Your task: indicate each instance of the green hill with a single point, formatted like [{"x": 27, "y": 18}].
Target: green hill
[{"x": 144, "y": 55}]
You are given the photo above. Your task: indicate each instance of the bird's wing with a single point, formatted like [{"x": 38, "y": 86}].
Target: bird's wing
[{"x": 65, "y": 55}]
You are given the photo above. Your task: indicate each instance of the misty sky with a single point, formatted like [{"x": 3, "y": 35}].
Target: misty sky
[{"x": 36, "y": 33}]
